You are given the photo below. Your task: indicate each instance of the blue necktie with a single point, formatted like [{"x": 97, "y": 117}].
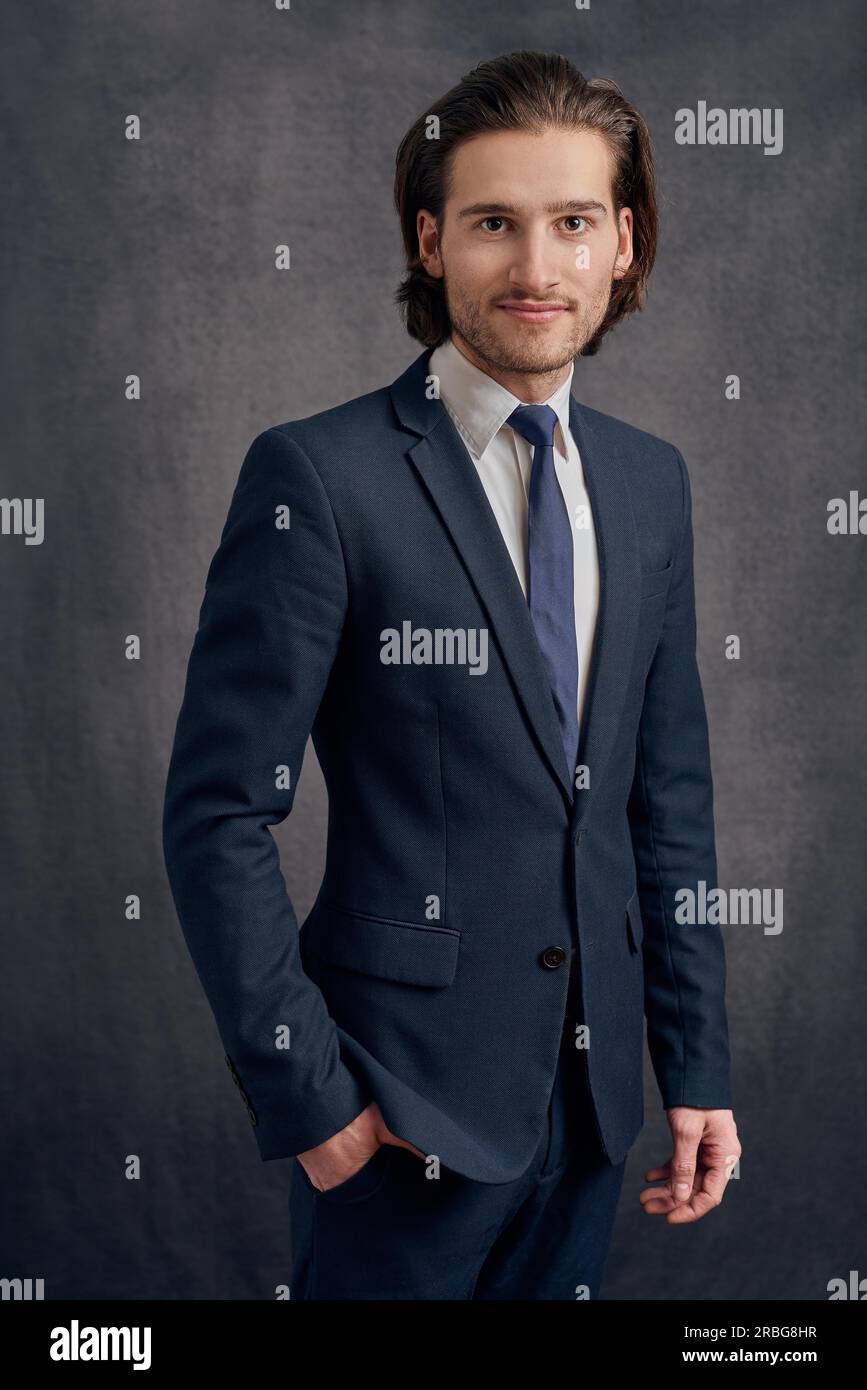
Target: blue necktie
[{"x": 551, "y": 580}]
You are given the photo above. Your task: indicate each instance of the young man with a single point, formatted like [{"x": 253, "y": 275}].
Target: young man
[{"x": 477, "y": 594}]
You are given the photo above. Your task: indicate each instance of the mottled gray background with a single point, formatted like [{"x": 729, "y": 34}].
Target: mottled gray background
[{"x": 156, "y": 258}]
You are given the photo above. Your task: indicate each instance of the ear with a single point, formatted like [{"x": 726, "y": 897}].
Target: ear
[
  {"x": 625, "y": 253},
  {"x": 428, "y": 243}
]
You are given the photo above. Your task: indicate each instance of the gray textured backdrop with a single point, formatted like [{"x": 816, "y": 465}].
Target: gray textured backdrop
[{"x": 156, "y": 258}]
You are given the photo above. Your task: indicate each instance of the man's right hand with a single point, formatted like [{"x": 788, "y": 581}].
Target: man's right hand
[{"x": 336, "y": 1159}]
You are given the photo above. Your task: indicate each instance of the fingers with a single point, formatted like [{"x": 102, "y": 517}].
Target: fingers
[
  {"x": 699, "y": 1204},
  {"x": 706, "y": 1193},
  {"x": 708, "y": 1189},
  {"x": 657, "y": 1201},
  {"x": 714, "y": 1182},
  {"x": 706, "y": 1149},
  {"x": 405, "y": 1144},
  {"x": 687, "y": 1128}
]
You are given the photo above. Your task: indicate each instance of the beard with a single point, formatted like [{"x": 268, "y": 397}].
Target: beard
[{"x": 526, "y": 354}]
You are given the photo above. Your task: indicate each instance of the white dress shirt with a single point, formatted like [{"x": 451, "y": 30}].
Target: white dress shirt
[{"x": 479, "y": 407}]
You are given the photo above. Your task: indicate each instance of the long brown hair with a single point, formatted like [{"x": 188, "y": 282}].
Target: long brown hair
[{"x": 531, "y": 92}]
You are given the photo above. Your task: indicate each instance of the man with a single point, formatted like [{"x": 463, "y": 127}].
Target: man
[{"x": 477, "y": 594}]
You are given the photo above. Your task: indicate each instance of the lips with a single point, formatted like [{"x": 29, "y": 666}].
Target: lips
[{"x": 533, "y": 313}]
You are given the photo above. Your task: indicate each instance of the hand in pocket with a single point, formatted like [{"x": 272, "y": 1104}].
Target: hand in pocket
[{"x": 339, "y": 1158}]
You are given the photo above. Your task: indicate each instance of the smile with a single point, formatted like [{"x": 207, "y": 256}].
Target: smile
[{"x": 542, "y": 314}]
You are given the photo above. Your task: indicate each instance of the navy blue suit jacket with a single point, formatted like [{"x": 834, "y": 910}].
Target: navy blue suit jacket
[{"x": 458, "y": 853}]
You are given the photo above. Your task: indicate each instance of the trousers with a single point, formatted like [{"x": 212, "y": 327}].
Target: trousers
[{"x": 391, "y": 1232}]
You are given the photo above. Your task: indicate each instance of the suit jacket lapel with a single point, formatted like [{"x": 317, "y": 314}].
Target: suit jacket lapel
[{"x": 450, "y": 477}]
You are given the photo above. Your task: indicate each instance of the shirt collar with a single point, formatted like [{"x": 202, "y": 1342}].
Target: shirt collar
[{"x": 480, "y": 405}]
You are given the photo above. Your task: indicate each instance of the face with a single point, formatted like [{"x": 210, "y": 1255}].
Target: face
[{"x": 528, "y": 247}]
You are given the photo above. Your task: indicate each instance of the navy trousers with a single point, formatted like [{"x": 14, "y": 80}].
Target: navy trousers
[{"x": 390, "y": 1232}]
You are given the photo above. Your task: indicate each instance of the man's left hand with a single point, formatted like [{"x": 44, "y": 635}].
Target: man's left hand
[{"x": 706, "y": 1149}]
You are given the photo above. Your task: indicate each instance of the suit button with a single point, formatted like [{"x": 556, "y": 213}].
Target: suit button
[{"x": 553, "y": 957}]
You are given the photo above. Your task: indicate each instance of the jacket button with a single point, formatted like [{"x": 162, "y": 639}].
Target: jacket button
[{"x": 553, "y": 957}]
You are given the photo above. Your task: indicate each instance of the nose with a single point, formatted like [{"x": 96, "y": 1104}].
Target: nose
[{"x": 536, "y": 269}]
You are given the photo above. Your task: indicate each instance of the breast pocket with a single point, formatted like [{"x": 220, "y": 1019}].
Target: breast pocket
[{"x": 655, "y": 582}]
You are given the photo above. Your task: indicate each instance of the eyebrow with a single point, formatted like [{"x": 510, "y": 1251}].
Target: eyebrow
[{"x": 498, "y": 209}]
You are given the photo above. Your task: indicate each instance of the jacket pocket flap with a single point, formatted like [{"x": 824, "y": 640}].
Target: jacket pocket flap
[
  {"x": 634, "y": 924},
  {"x": 408, "y": 952},
  {"x": 655, "y": 581}
]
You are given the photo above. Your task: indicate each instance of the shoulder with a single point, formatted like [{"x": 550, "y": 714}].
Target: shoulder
[
  {"x": 341, "y": 425},
  {"x": 634, "y": 443},
  {"x": 331, "y": 443},
  {"x": 654, "y": 467}
]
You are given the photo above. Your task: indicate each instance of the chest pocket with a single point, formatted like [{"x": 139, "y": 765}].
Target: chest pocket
[{"x": 654, "y": 582}]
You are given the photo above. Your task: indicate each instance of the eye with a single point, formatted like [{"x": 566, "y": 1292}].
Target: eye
[{"x": 571, "y": 231}]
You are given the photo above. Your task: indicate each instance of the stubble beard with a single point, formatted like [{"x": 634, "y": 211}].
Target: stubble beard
[{"x": 529, "y": 354}]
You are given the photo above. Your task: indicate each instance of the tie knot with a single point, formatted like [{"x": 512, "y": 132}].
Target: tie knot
[{"x": 535, "y": 422}]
